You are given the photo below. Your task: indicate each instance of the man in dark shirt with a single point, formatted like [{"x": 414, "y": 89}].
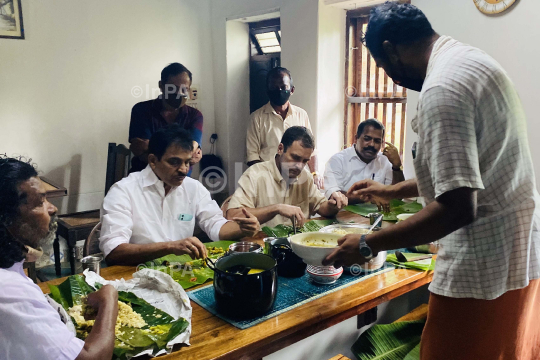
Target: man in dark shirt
[{"x": 169, "y": 108}]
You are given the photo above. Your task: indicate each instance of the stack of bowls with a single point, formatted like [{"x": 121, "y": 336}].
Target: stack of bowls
[{"x": 314, "y": 255}]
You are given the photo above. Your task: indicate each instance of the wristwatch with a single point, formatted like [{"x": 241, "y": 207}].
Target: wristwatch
[
  {"x": 315, "y": 173},
  {"x": 400, "y": 168},
  {"x": 364, "y": 248}
]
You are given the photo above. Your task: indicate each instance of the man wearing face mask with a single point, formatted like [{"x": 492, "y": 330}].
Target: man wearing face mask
[
  {"x": 268, "y": 124},
  {"x": 169, "y": 108},
  {"x": 364, "y": 161}
]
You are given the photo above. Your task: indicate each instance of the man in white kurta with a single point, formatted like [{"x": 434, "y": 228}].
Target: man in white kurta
[
  {"x": 137, "y": 211},
  {"x": 30, "y": 328},
  {"x": 153, "y": 213},
  {"x": 364, "y": 160}
]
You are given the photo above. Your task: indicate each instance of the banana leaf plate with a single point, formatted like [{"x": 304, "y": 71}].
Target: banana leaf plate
[
  {"x": 161, "y": 327},
  {"x": 196, "y": 273}
]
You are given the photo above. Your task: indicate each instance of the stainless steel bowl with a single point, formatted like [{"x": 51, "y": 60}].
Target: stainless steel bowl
[{"x": 245, "y": 246}]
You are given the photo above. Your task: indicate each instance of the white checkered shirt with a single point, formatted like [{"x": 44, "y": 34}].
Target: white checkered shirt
[{"x": 473, "y": 133}]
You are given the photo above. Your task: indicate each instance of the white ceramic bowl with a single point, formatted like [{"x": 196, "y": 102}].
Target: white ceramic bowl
[
  {"x": 314, "y": 255},
  {"x": 375, "y": 263},
  {"x": 324, "y": 274},
  {"x": 402, "y": 217}
]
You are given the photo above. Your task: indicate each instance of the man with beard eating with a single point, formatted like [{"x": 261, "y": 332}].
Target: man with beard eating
[
  {"x": 280, "y": 190},
  {"x": 30, "y": 328}
]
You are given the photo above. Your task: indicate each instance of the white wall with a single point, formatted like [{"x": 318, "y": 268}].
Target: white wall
[
  {"x": 299, "y": 27},
  {"x": 238, "y": 54},
  {"x": 510, "y": 38},
  {"x": 331, "y": 82},
  {"x": 66, "y": 89}
]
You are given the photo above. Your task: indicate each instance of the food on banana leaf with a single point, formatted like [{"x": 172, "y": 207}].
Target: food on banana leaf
[
  {"x": 126, "y": 317},
  {"x": 139, "y": 326},
  {"x": 187, "y": 271}
]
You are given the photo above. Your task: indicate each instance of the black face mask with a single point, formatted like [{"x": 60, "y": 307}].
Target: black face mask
[
  {"x": 279, "y": 97},
  {"x": 175, "y": 100}
]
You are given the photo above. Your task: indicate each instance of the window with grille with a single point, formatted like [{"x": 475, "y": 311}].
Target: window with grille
[{"x": 370, "y": 93}]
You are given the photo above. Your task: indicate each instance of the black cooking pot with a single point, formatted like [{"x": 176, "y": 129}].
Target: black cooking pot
[
  {"x": 289, "y": 264},
  {"x": 244, "y": 296}
]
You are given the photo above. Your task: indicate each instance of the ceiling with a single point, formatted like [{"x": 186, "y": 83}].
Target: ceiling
[{"x": 352, "y": 4}]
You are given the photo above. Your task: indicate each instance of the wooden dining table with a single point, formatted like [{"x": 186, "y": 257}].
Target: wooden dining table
[{"x": 214, "y": 338}]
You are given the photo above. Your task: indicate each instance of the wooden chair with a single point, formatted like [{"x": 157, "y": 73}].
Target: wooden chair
[
  {"x": 91, "y": 245},
  {"x": 73, "y": 227},
  {"x": 30, "y": 270},
  {"x": 118, "y": 164},
  {"x": 77, "y": 226}
]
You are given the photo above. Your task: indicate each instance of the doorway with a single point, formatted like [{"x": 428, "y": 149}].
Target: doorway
[{"x": 265, "y": 44}]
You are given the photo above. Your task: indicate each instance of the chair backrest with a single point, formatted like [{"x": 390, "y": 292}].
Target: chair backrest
[
  {"x": 118, "y": 164},
  {"x": 91, "y": 245}
]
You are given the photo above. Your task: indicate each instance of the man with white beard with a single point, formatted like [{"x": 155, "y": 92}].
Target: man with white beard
[{"x": 30, "y": 327}]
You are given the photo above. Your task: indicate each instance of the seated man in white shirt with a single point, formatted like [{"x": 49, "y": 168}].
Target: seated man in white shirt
[
  {"x": 153, "y": 213},
  {"x": 363, "y": 161},
  {"x": 30, "y": 328},
  {"x": 281, "y": 189}
]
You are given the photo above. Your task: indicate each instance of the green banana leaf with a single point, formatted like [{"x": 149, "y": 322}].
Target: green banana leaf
[
  {"x": 286, "y": 230},
  {"x": 396, "y": 207},
  {"x": 71, "y": 291},
  {"x": 417, "y": 265},
  {"x": 188, "y": 277},
  {"x": 388, "y": 342},
  {"x": 414, "y": 354},
  {"x": 160, "y": 329}
]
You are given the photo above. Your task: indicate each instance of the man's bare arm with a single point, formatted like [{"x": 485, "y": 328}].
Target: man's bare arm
[{"x": 100, "y": 342}]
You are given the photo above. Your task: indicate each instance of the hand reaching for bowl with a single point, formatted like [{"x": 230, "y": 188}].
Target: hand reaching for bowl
[
  {"x": 373, "y": 192},
  {"x": 347, "y": 253}
]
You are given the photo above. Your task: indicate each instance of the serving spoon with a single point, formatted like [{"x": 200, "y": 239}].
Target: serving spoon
[{"x": 375, "y": 224}]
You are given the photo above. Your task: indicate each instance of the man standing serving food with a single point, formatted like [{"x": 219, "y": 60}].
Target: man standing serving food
[{"x": 474, "y": 169}]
